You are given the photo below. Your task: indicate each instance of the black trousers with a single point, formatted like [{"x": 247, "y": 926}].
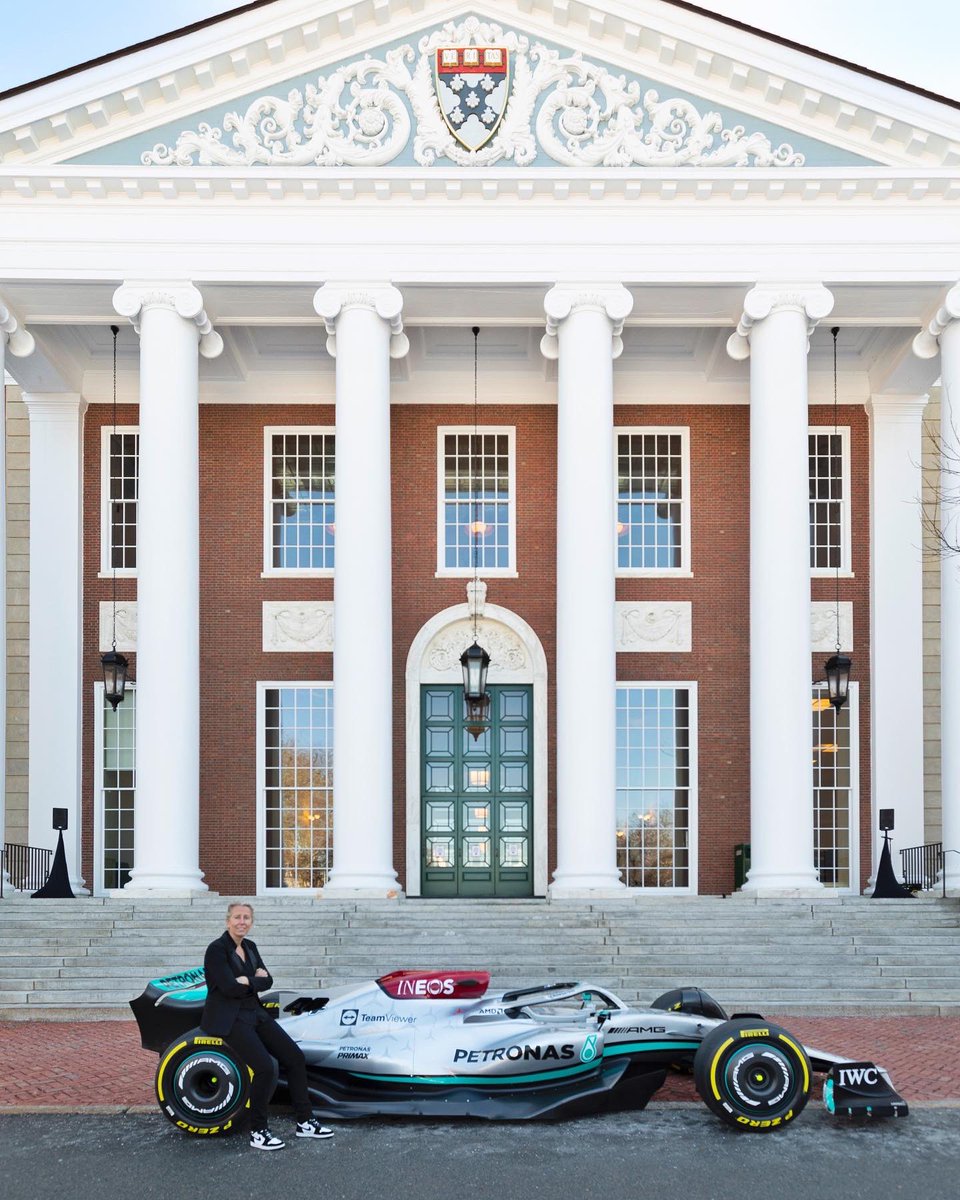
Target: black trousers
[{"x": 263, "y": 1044}]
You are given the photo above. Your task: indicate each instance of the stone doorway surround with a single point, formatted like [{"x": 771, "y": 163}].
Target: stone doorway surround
[{"x": 516, "y": 656}]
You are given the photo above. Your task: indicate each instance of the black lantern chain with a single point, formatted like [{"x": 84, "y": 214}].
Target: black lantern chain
[
  {"x": 838, "y": 665},
  {"x": 475, "y": 661},
  {"x": 114, "y": 664}
]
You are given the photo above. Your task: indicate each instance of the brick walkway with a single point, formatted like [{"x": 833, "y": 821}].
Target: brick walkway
[{"x": 87, "y": 1064}]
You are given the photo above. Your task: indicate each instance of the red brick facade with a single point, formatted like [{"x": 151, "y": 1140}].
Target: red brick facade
[{"x": 232, "y": 593}]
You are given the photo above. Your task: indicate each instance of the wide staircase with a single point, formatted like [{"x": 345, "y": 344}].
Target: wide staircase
[{"x": 832, "y": 956}]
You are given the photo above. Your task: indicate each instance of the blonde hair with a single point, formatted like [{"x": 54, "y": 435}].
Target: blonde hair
[{"x": 239, "y": 904}]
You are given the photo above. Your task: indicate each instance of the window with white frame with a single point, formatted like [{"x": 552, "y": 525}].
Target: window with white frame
[
  {"x": 834, "y": 789},
  {"x": 300, "y": 511},
  {"x": 656, "y": 793},
  {"x": 117, "y": 787},
  {"x": 653, "y": 513},
  {"x": 476, "y": 501},
  {"x": 297, "y": 784},
  {"x": 119, "y": 491},
  {"x": 829, "y": 479}
]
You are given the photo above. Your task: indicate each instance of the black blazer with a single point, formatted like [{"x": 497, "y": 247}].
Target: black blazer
[{"x": 224, "y": 994}]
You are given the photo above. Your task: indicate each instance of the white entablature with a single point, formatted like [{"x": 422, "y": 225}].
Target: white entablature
[{"x": 688, "y": 57}]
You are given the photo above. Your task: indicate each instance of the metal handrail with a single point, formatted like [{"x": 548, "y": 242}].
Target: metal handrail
[
  {"x": 920, "y": 865},
  {"x": 27, "y": 866}
]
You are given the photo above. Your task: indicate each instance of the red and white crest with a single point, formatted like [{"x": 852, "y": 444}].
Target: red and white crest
[{"x": 473, "y": 85}]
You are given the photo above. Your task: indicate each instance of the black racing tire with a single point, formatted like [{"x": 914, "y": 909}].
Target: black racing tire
[
  {"x": 753, "y": 1075},
  {"x": 202, "y": 1084}
]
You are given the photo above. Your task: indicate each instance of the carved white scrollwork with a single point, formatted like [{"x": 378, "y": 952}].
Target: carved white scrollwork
[
  {"x": 363, "y": 113},
  {"x": 126, "y": 626},
  {"x": 823, "y": 626},
  {"x": 507, "y": 653},
  {"x": 305, "y": 626},
  {"x": 654, "y": 625}
]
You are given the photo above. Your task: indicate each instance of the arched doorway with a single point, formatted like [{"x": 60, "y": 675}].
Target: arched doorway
[{"x": 476, "y": 808}]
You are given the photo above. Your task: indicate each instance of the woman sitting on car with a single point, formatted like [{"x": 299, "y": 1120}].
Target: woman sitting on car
[{"x": 235, "y": 976}]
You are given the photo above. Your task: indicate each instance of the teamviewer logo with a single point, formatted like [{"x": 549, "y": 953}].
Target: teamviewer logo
[{"x": 349, "y": 1016}]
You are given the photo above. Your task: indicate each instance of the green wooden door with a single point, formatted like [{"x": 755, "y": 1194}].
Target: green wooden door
[{"x": 476, "y": 795}]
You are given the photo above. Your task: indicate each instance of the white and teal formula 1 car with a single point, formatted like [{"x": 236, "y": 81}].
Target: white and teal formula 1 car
[{"x": 439, "y": 1044}]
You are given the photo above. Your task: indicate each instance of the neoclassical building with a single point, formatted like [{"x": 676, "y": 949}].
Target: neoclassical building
[{"x": 713, "y": 277}]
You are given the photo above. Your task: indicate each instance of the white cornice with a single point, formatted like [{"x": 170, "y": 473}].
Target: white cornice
[
  {"x": 221, "y": 184},
  {"x": 819, "y": 99}
]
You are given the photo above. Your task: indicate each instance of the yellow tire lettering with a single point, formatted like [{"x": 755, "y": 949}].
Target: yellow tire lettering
[
  {"x": 713, "y": 1067},
  {"x": 752, "y": 1033},
  {"x": 803, "y": 1060},
  {"x": 163, "y": 1066}
]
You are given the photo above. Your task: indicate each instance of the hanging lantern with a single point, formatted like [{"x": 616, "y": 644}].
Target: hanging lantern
[
  {"x": 475, "y": 662},
  {"x": 114, "y": 677},
  {"x": 838, "y": 679}
]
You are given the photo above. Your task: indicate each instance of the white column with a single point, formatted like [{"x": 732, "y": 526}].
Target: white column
[
  {"x": 365, "y": 330},
  {"x": 584, "y": 322},
  {"x": 943, "y": 334},
  {"x": 173, "y": 327},
  {"x": 56, "y": 539},
  {"x": 21, "y": 344},
  {"x": 896, "y": 619},
  {"x": 774, "y": 332}
]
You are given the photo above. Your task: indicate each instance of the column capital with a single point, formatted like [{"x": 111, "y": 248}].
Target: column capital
[
  {"x": 812, "y": 300},
  {"x": 927, "y": 342},
  {"x": 21, "y": 342},
  {"x": 380, "y": 297},
  {"x": 135, "y": 296},
  {"x": 896, "y": 407},
  {"x": 612, "y": 299},
  {"x": 54, "y": 406}
]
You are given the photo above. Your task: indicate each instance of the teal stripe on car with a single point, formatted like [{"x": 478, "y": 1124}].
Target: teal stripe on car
[
  {"x": 640, "y": 1047},
  {"x": 475, "y": 1080}
]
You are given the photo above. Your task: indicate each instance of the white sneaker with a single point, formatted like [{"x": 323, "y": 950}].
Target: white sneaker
[
  {"x": 312, "y": 1130},
  {"x": 263, "y": 1139}
]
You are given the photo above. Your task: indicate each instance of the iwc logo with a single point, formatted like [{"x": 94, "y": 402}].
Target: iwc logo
[{"x": 473, "y": 85}]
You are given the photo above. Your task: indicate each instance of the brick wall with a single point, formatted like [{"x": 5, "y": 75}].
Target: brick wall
[{"x": 232, "y": 592}]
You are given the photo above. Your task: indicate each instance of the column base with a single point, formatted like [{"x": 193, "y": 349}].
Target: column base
[
  {"x": 770, "y": 891},
  {"x": 568, "y": 885},
  {"x": 144, "y": 884},
  {"x": 362, "y": 885}
]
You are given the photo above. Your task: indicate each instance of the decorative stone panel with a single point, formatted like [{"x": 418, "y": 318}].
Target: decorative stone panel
[
  {"x": 823, "y": 626},
  {"x": 654, "y": 626},
  {"x": 508, "y": 656},
  {"x": 298, "y": 625},
  {"x": 126, "y": 626}
]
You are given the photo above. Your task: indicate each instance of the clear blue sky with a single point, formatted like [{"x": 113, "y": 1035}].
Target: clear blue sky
[{"x": 915, "y": 42}]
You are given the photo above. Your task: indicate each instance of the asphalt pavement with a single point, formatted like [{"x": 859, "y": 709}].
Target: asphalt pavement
[{"x": 671, "y": 1151}]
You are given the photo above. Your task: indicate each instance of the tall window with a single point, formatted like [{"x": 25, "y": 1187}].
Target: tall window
[
  {"x": 829, "y": 505},
  {"x": 300, "y": 521},
  {"x": 833, "y": 790},
  {"x": 119, "y": 489},
  {"x": 653, "y": 521},
  {"x": 297, "y": 724},
  {"x": 655, "y": 789},
  {"x": 118, "y": 787},
  {"x": 476, "y": 502}
]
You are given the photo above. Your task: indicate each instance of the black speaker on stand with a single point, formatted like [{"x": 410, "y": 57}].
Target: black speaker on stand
[
  {"x": 887, "y": 886},
  {"x": 57, "y": 886}
]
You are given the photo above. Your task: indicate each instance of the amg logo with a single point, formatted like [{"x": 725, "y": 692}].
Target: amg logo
[
  {"x": 637, "y": 1029},
  {"x": 201, "y": 1041},
  {"x": 745, "y": 1033},
  {"x": 854, "y": 1076}
]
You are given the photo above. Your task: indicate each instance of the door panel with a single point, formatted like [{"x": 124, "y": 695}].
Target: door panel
[{"x": 477, "y": 795}]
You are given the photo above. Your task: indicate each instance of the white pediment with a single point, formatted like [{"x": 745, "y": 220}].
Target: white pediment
[{"x": 602, "y": 85}]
